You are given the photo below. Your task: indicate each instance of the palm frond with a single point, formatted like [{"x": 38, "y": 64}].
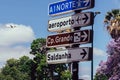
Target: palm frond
[
  {"x": 112, "y": 19},
  {"x": 107, "y": 17},
  {"x": 115, "y": 12}
]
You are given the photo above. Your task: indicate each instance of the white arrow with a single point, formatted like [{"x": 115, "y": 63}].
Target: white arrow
[
  {"x": 86, "y": 2},
  {"x": 84, "y": 36}
]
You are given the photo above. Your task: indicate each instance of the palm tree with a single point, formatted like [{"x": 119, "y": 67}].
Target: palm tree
[
  {"x": 112, "y": 21},
  {"x": 110, "y": 70}
]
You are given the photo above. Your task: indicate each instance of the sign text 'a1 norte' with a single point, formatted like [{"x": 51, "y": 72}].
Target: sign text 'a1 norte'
[
  {"x": 69, "y": 55},
  {"x": 76, "y": 20},
  {"x": 66, "y": 39},
  {"x": 69, "y": 6}
]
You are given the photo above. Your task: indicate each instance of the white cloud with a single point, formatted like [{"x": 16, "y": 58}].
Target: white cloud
[
  {"x": 99, "y": 55},
  {"x": 83, "y": 69},
  {"x": 13, "y": 52},
  {"x": 85, "y": 77},
  {"x": 12, "y": 34},
  {"x": 14, "y": 40},
  {"x": 99, "y": 52}
]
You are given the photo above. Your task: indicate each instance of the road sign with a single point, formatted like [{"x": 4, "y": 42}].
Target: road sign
[
  {"x": 69, "y": 6},
  {"x": 66, "y": 39},
  {"x": 69, "y": 55},
  {"x": 80, "y": 19}
]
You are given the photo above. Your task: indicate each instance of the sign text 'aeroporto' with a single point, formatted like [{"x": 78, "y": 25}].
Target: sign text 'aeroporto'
[{"x": 77, "y": 20}]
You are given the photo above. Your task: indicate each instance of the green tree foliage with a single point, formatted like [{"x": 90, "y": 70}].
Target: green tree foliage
[
  {"x": 16, "y": 69},
  {"x": 100, "y": 77},
  {"x": 40, "y": 68},
  {"x": 38, "y": 46},
  {"x": 5, "y": 77},
  {"x": 66, "y": 75},
  {"x": 36, "y": 68}
]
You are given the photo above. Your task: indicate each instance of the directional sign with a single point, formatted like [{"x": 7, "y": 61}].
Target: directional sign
[
  {"x": 67, "y": 39},
  {"x": 70, "y": 55},
  {"x": 69, "y": 6},
  {"x": 77, "y": 20}
]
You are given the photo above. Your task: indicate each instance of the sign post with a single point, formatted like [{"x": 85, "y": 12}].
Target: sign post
[
  {"x": 73, "y": 39},
  {"x": 75, "y": 65}
]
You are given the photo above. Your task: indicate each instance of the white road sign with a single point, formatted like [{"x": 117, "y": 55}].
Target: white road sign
[
  {"x": 77, "y": 20},
  {"x": 70, "y": 55}
]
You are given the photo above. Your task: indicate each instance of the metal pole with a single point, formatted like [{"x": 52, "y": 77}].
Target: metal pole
[
  {"x": 75, "y": 65},
  {"x": 92, "y": 54},
  {"x": 75, "y": 71},
  {"x": 95, "y": 13},
  {"x": 92, "y": 58}
]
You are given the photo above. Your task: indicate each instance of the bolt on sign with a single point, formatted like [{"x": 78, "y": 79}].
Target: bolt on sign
[
  {"x": 69, "y": 6},
  {"x": 69, "y": 55},
  {"x": 76, "y": 20},
  {"x": 66, "y": 39}
]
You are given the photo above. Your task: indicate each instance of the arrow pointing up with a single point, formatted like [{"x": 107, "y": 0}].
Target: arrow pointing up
[
  {"x": 84, "y": 53},
  {"x": 84, "y": 36}
]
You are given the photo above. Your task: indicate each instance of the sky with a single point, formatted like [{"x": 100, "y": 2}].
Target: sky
[{"x": 29, "y": 19}]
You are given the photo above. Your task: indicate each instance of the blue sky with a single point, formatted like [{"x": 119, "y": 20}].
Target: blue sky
[{"x": 31, "y": 20}]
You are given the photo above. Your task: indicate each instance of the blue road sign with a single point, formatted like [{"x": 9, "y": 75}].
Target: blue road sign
[{"x": 69, "y": 6}]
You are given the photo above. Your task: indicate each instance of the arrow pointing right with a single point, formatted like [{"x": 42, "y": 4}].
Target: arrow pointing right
[
  {"x": 85, "y": 18},
  {"x": 84, "y": 53},
  {"x": 84, "y": 36}
]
